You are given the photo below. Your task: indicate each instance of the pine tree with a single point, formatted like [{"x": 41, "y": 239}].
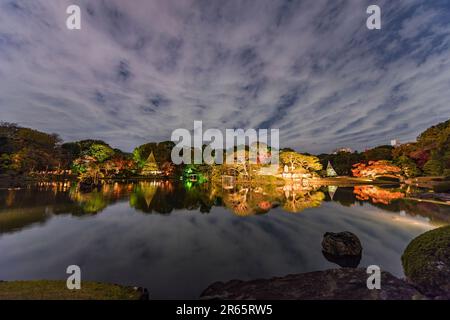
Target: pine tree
[
  {"x": 150, "y": 166},
  {"x": 330, "y": 170}
]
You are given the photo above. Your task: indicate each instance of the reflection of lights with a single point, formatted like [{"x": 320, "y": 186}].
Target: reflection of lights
[
  {"x": 406, "y": 219},
  {"x": 422, "y": 222}
]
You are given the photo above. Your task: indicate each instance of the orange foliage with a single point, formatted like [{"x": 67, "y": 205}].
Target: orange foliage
[
  {"x": 377, "y": 195},
  {"x": 374, "y": 169}
]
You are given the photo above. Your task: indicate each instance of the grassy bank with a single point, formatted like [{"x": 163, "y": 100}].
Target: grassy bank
[{"x": 57, "y": 290}]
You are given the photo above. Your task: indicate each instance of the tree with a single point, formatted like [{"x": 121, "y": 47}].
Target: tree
[
  {"x": 375, "y": 169},
  {"x": 379, "y": 153},
  {"x": 150, "y": 167},
  {"x": 100, "y": 152},
  {"x": 5, "y": 163},
  {"x": 161, "y": 151},
  {"x": 330, "y": 170},
  {"x": 408, "y": 166},
  {"x": 24, "y": 150},
  {"x": 342, "y": 161},
  {"x": 433, "y": 168},
  {"x": 297, "y": 161},
  {"x": 168, "y": 168}
]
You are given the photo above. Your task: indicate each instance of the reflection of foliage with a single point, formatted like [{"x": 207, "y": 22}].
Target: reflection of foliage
[
  {"x": 164, "y": 197},
  {"x": 238, "y": 202},
  {"x": 97, "y": 200},
  {"x": 92, "y": 202},
  {"x": 250, "y": 200},
  {"x": 376, "y": 194},
  {"x": 298, "y": 201},
  {"x": 143, "y": 190},
  {"x": 36, "y": 204}
]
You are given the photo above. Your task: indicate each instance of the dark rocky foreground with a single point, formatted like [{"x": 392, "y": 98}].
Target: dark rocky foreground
[
  {"x": 57, "y": 290},
  {"x": 426, "y": 262},
  {"x": 332, "y": 284}
]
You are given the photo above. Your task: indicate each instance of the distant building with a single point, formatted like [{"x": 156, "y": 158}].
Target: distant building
[
  {"x": 395, "y": 143},
  {"x": 342, "y": 150}
]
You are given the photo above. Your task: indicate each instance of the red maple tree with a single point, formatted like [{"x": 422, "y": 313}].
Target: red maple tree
[{"x": 373, "y": 169}]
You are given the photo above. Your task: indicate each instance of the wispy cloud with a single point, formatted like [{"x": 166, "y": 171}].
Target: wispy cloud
[{"x": 139, "y": 69}]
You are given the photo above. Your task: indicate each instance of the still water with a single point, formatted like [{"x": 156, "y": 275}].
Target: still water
[{"x": 176, "y": 239}]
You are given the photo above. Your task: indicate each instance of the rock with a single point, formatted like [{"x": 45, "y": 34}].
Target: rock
[
  {"x": 332, "y": 284},
  {"x": 341, "y": 244},
  {"x": 343, "y": 261},
  {"x": 426, "y": 262}
]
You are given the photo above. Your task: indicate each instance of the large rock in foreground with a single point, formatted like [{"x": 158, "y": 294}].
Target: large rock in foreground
[
  {"x": 333, "y": 284},
  {"x": 426, "y": 262},
  {"x": 341, "y": 244}
]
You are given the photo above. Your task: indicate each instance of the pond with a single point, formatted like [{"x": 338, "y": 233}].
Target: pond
[{"x": 177, "y": 238}]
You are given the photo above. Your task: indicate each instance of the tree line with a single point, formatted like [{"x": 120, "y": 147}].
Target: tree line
[{"x": 24, "y": 151}]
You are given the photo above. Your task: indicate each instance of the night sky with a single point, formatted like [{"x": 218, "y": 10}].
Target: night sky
[{"x": 139, "y": 69}]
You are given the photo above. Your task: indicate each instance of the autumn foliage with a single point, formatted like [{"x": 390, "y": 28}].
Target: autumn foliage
[
  {"x": 377, "y": 195},
  {"x": 374, "y": 169}
]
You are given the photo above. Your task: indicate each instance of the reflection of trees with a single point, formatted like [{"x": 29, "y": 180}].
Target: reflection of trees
[
  {"x": 98, "y": 200},
  {"x": 299, "y": 198},
  {"x": 376, "y": 194},
  {"x": 237, "y": 202},
  {"x": 20, "y": 208},
  {"x": 164, "y": 197},
  {"x": 250, "y": 200},
  {"x": 92, "y": 202},
  {"x": 24, "y": 207}
]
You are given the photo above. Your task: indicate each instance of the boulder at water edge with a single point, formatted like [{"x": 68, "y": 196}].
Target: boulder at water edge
[
  {"x": 426, "y": 262},
  {"x": 341, "y": 244}
]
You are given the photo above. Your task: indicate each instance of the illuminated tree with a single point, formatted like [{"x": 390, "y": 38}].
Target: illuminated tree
[
  {"x": 297, "y": 161},
  {"x": 150, "y": 166},
  {"x": 376, "y": 168},
  {"x": 100, "y": 152},
  {"x": 330, "y": 170},
  {"x": 408, "y": 166}
]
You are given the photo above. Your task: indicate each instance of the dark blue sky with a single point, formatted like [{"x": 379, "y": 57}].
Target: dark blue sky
[{"x": 139, "y": 69}]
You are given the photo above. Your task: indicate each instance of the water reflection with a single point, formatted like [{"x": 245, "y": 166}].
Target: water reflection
[
  {"x": 35, "y": 204},
  {"x": 177, "y": 238}
]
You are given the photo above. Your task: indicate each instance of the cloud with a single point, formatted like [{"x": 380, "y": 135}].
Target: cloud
[{"x": 140, "y": 69}]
